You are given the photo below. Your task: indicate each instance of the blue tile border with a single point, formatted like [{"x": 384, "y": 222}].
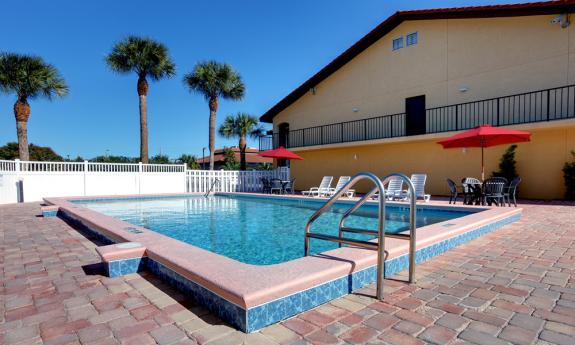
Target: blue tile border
[
  {"x": 277, "y": 310},
  {"x": 223, "y": 308},
  {"x": 260, "y": 316},
  {"x": 118, "y": 268},
  {"x": 47, "y": 214}
]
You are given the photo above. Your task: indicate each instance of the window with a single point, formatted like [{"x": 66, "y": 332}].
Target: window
[
  {"x": 398, "y": 43},
  {"x": 411, "y": 39}
]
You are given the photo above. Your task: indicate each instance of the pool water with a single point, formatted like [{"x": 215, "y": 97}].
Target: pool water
[{"x": 254, "y": 230}]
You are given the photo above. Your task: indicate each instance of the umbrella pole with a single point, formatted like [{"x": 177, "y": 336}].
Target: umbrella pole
[{"x": 482, "y": 166}]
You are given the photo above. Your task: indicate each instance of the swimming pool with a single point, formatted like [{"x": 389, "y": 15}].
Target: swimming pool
[
  {"x": 240, "y": 255},
  {"x": 255, "y": 230}
]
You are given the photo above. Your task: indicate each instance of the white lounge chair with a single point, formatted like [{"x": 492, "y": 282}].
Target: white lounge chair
[
  {"x": 323, "y": 188},
  {"x": 340, "y": 183},
  {"x": 394, "y": 189},
  {"x": 418, "y": 181}
]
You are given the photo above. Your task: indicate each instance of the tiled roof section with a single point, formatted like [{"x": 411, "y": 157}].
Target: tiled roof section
[
  {"x": 251, "y": 156},
  {"x": 509, "y": 10}
]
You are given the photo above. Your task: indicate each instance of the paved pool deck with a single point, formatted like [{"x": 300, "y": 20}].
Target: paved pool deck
[{"x": 514, "y": 285}]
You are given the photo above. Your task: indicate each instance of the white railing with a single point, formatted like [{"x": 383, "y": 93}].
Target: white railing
[
  {"x": 33, "y": 181},
  {"x": 7, "y": 165},
  {"x": 200, "y": 181}
]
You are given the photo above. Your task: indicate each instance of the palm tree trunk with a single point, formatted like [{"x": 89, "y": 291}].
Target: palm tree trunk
[
  {"x": 22, "y": 113},
  {"x": 243, "y": 152},
  {"x": 212, "y": 136},
  {"x": 142, "y": 93}
]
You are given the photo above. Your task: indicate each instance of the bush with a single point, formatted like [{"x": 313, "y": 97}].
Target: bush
[
  {"x": 507, "y": 165},
  {"x": 569, "y": 177}
]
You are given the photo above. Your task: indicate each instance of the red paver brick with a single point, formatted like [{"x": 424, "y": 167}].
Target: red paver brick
[
  {"x": 317, "y": 318},
  {"x": 321, "y": 337},
  {"x": 381, "y": 321},
  {"x": 438, "y": 335},
  {"x": 394, "y": 337},
  {"x": 299, "y": 326},
  {"x": 518, "y": 308},
  {"x": 145, "y": 312},
  {"x": 446, "y": 307},
  {"x": 358, "y": 335},
  {"x": 414, "y": 317},
  {"x": 136, "y": 329},
  {"x": 66, "y": 328}
]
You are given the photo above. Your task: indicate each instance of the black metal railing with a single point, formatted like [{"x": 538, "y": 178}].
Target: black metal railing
[{"x": 537, "y": 106}]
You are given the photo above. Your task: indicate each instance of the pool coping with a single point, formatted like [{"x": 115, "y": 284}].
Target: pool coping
[{"x": 252, "y": 288}]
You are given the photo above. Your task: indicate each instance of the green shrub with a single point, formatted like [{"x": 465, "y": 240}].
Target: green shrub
[
  {"x": 507, "y": 165},
  {"x": 569, "y": 177}
]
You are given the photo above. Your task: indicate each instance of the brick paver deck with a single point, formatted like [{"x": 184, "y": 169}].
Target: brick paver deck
[{"x": 515, "y": 285}]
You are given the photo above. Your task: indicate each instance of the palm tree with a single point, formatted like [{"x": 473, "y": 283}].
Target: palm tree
[
  {"x": 148, "y": 59},
  {"x": 240, "y": 126},
  {"x": 29, "y": 77},
  {"x": 190, "y": 161},
  {"x": 213, "y": 80}
]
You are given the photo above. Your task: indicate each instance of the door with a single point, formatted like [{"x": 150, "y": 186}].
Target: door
[{"x": 415, "y": 122}]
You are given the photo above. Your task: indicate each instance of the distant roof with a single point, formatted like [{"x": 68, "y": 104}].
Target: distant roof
[
  {"x": 251, "y": 156},
  {"x": 512, "y": 10}
]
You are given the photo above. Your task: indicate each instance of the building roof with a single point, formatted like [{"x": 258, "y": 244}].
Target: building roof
[
  {"x": 251, "y": 156},
  {"x": 511, "y": 10}
]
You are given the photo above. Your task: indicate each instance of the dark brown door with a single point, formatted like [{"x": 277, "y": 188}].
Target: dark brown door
[{"x": 415, "y": 123}]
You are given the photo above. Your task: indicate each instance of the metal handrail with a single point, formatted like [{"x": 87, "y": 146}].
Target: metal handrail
[
  {"x": 412, "y": 221},
  {"x": 216, "y": 180},
  {"x": 380, "y": 246},
  {"x": 380, "y": 232}
]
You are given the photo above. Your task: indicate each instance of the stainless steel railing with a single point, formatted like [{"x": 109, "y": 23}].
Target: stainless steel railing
[
  {"x": 216, "y": 180},
  {"x": 379, "y": 246}
]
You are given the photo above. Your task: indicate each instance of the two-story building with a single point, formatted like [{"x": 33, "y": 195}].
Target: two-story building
[{"x": 423, "y": 75}]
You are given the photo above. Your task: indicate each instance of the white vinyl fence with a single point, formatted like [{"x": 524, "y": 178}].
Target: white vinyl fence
[
  {"x": 23, "y": 181},
  {"x": 200, "y": 181}
]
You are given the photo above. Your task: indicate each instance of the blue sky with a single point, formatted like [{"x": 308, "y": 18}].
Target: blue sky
[{"x": 275, "y": 45}]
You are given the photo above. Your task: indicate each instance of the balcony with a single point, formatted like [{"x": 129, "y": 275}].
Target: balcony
[{"x": 531, "y": 107}]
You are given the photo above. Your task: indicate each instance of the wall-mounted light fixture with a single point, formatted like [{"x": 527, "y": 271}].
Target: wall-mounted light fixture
[
  {"x": 312, "y": 90},
  {"x": 464, "y": 150},
  {"x": 562, "y": 20},
  {"x": 463, "y": 89},
  {"x": 355, "y": 109}
]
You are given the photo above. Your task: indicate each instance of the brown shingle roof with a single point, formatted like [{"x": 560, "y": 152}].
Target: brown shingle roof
[
  {"x": 251, "y": 156},
  {"x": 511, "y": 10}
]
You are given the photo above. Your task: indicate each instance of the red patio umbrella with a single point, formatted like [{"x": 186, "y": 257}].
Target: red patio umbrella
[
  {"x": 280, "y": 153},
  {"x": 485, "y": 136}
]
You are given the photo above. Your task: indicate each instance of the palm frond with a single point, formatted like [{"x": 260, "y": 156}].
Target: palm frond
[
  {"x": 212, "y": 79},
  {"x": 144, "y": 56},
  {"x": 241, "y": 124},
  {"x": 30, "y": 77}
]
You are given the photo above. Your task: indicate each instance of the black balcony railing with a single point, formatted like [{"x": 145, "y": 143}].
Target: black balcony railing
[{"x": 537, "y": 106}]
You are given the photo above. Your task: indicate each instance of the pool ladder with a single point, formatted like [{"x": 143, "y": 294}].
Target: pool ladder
[
  {"x": 379, "y": 246},
  {"x": 216, "y": 180}
]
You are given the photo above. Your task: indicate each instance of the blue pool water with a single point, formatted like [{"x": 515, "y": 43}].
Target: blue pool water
[{"x": 259, "y": 231}]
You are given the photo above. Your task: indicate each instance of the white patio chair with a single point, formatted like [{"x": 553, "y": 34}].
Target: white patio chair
[
  {"x": 323, "y": 188},
  {"x": 394, "y": 189},
  {"x": 340, "y": 183},
  {"x": 418, "y": 181}
]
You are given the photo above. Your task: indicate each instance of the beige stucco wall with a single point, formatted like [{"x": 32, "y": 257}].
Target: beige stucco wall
[
  {"x": 539, "y": 162},
  {"x": 491, "y": 57}
]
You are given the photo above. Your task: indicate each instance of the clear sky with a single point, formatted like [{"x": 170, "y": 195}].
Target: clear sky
[{"x": 275, "y": 45}]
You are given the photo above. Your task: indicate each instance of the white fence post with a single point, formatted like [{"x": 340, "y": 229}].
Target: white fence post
[
  {"x": 139, "y": 177},
  {"x": 85, "y": 177}
]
